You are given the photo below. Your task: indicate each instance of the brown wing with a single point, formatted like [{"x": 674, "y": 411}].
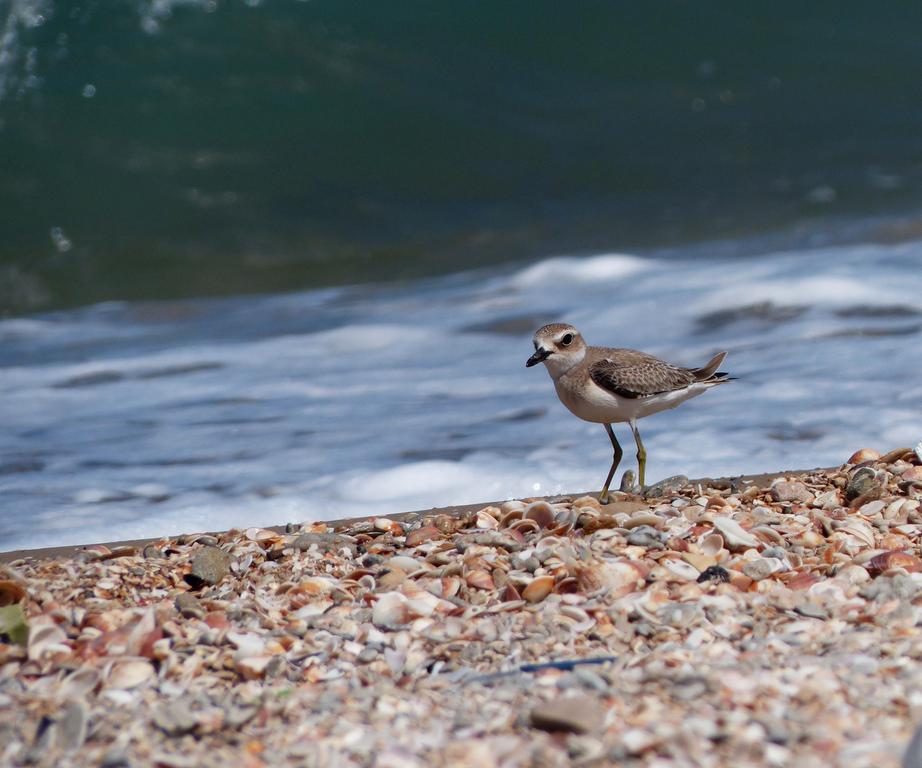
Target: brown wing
[{"x": 639, "y": 375}]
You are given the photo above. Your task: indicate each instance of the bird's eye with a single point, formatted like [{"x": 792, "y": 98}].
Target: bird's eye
[{"x": 567, "y": 339}]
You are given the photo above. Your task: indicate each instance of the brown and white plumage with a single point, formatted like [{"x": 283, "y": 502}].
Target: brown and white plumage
[{"x": 609, "y": 385}]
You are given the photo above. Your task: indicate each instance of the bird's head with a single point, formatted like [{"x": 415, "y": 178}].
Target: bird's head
[{"x": 559, "y": 346}]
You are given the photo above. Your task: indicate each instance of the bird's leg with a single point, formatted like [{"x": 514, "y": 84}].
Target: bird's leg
[
  {"x": 641, "y": 456},
  {"x": 603, "y": 496}
]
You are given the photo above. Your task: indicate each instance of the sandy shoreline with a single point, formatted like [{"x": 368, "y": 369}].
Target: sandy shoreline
[{"x": 771, "y": 620}]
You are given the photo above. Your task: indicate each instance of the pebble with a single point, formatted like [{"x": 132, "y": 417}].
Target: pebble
[
  {"x": 189, "y": 606},
  {"x": 324, "y": 542},
  {"x": 574, "y": 714},
  {"x": 209, "y": 566},
  {"x": 665, "y": 487},
  {"x": 791, "y": 491}
]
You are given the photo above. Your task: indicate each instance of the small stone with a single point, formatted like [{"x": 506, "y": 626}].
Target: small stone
[
  {"x": 189, "y": 606},
  {"x": 209, "y": 566},
  {"x": 325, "y": 542},
  {"x": 152, "y": 552},
  {"x": 665, "y": 487},
  {"x": 577, "y": 714},
  {"x": 714, "y": 573},
  {"x": 70, "y": 726},
  {"x": 175, "y": 718},
  {"x": 791, "y": 491}
]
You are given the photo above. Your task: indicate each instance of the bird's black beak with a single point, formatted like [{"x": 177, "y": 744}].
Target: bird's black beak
[{"x": 539, "y": 357}]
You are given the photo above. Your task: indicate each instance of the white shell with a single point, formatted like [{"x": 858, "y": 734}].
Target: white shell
[{"x": 129, "y": 674}]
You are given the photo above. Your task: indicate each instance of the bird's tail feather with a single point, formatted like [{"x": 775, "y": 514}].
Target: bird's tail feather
[{"x": 709, "y": 371}]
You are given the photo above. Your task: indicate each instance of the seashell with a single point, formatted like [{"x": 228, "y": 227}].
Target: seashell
[
  {"x": 420, "y": 535},
  {"x": 252, "y": 667},
  {"x": 894, "y": 541},
  {"x": 681, "y": 569},
  {"x": 508, "y": 518},
  {"x": 654, "y": 521},
  {"x": 525, "y": 527},
  {"x": 711, "y": 545},
  {"x": 583, "y": 622},
  {"x": 587, "y": 502},
  {"x": 420, "y": 601},
  {"x": 895, "y": 455},
  {"x": 129, "y": 674},
  {"x": 809, "y": 539},
  {"x": 315, "y": 585},
  {"x": 538, "y": 589},
  {"x": 564, "y": 521},
  {"x": 485, "y": 519},
  {"x": 620, "y": 577},
  {"x": 803, "y": 580},
  {"x": 735, "y": 536},
  {"x": 80, "y": 683},
  {"x": 853, "y": 574},
  {"x": 762, "y": 567},
  {"x": 547, "y": 546},
  {"x": 404, "y": 563},
  {"x": 480, "y": 579},
  {"x": 862, "y": 455},
  {"x": 358, "y": 573},
  {"x": 391, "y": 579},
  {"x": 11, "y": 592},
  {"x": 699, "y": 562},
  {"x": 567, "y": 586},
  {"x": 387, "y": 525},
  {"x": 512, "y": 505},
  {"x": 827, "y": 500},
  {"x": 261, "y": 535},
  {"x": 859, "y": 530},
  {"x": 541, "y": 512},
  {"x": 912, "y": 475},
  {"x": 888, "y": 560},
  {"x": 247, "y": 643},
  {"x": 450, "y": 586},
  {"x": 767, "y": 534},
  {"x": 391, "y": 610},
  {"x": 510, "y": 593},
  {"x": 315, "y": 608},
  {"x": 47, "y": 640}
]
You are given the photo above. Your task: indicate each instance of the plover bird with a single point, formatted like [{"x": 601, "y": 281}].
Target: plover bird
[{"x": 612, "y": 386}]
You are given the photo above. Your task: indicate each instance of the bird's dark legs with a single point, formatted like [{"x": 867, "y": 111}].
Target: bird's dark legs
[
  {"x": 641, "y": 456},
  {"x": 603, "y": 496}
]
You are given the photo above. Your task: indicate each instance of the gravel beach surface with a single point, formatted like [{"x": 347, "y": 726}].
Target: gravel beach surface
[{"x": 719, "y": 623}]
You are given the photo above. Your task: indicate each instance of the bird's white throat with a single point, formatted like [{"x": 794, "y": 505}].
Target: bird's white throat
[{"x": 561, "y": 362}]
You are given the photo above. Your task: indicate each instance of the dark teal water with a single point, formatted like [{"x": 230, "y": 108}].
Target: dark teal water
[{"x": 169, "y": 149}]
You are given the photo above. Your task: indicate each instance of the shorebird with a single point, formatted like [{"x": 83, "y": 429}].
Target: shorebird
[{"x": 613, "y": 386}]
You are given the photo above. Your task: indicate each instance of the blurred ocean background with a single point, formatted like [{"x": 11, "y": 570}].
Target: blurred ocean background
[{"x": 274, "y": 261}]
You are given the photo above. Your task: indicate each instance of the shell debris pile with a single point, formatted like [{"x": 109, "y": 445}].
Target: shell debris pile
[{"x": 724, "y": 623}]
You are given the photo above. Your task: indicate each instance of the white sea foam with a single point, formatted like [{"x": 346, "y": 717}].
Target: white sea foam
[{"x": 385, "y": 399}]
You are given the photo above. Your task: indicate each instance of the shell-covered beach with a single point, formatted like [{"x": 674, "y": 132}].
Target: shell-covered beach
[{"x": 768, "y": 621}]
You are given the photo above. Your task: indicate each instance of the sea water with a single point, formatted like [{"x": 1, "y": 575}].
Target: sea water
[{"x": 125, "y": 420}]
